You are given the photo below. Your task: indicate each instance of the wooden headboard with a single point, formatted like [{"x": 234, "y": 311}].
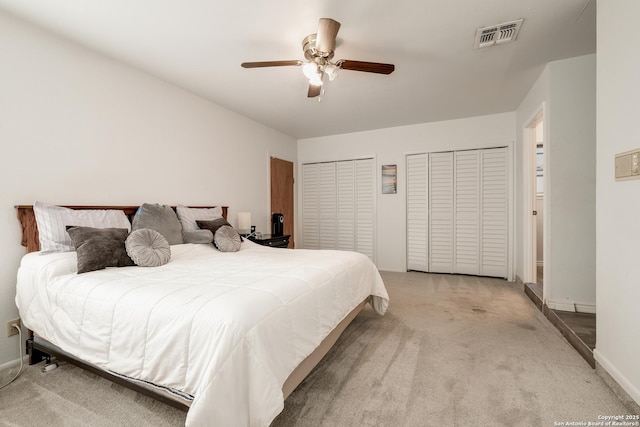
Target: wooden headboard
[{"x": 27, "y": 218}]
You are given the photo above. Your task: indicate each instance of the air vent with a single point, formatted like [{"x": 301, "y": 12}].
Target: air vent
[{"x": 496, "y": 34}]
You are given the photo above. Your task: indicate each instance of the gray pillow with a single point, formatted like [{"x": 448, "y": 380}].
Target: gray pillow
[
  {"x": 160, "y": 218},
  {"x": 99, "y": 248},
  {"x": 197, "y": 236},
  {"x": 148, "y": 248},
  {"x": 226, "y": 239}
]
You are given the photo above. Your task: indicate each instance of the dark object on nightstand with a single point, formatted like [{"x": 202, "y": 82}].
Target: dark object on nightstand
[
  {"x": 277, "y": 225},
  {"x": 270, "y": 240}
]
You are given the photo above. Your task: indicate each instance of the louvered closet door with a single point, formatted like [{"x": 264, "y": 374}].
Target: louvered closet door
[
  {"x": 327, "y": 204},
  {"x": 310, "y": 212},
  {"x": 494, "y": 207},
  {"x": 345, "y": 183},
  {"x": 417, "y": 198},
  {"x": 441, "y": 219},
  {"x": 467, "y": 212},
  {"x": 365, "y": 207}
]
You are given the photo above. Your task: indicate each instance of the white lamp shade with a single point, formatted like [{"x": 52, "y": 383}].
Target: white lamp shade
[{"x": 244, "y": 220}]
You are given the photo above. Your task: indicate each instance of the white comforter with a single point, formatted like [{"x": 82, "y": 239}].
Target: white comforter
[{"x": 226, "y": 328}]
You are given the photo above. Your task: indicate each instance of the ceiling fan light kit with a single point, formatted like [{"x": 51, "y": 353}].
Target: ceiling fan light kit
[{"x": 318, "y": 51}]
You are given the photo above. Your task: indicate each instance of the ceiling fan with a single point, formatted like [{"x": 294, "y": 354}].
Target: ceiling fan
[{"x": 318, "y": 51}]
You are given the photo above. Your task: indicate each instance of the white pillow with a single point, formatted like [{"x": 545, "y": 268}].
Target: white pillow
[
  {"x": 52, "y": 224},
  {"x": 188, "y": 216}
]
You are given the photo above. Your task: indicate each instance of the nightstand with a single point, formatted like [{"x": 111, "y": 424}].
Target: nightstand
[{"x": 269, "y": 240}]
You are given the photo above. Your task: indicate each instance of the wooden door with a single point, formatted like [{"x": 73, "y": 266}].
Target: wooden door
[{"x": 282, "y": 194}]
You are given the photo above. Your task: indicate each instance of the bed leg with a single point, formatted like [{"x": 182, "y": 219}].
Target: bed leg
[{"x": 35, "y": 355}]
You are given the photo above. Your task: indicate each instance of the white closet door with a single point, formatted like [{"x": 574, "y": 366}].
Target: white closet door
[
  {"x": 310, "y": 212},
  {"x": 417, "y": 205},
  {"x": 494, "y": 213},
  {"x": 365, "y": 207},
  {"x": 346, "y": 226},
  {"x": 327, "y": 204},
  {"x": 467, "y": 212},
  {"x": 441, "y": 214}
]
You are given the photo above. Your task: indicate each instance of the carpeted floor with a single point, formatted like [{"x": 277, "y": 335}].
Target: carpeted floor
[{"x": 451, "y": 351}]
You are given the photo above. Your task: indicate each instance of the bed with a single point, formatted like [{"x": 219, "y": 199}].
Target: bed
[{"x": 226, "y": 336}]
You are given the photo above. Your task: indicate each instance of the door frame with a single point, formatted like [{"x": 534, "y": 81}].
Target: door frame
[{"x": 530, "y": 193}]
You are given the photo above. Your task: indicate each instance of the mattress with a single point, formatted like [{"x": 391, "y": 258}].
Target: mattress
[{"x": 223, "y": 329}]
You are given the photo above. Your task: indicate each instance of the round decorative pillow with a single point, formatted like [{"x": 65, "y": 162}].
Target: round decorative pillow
[
  {"x": 148, "y": 248},
  {"x": 227, "y": 239}
]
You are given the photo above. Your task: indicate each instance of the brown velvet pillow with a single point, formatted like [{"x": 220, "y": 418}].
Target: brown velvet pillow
[
  {"x": 212, "y": 225},
  {"x": 99, "y": 248}
]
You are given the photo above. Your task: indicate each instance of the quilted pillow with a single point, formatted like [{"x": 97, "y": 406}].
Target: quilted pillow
[
  {"x": 148, "y": 248},
  {"x": 53, "y": 220},
  {"x": 99, "y": 248},
  {"x": 160, "y": 218},
  {"x": 188, "y": 216},
  {"x": 226, "y": 239}
]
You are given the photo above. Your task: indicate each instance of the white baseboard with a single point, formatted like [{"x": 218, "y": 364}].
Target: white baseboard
[
  {"x": 562, "y": 306},
  {"x": 571, "y": 306},
  {"x": 586, "y": 308},
  {"x": 10, "y": 364},
  {"x": 618, "y": 377}
]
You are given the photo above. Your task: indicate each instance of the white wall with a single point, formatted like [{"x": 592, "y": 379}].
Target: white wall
[
  {"x": 390, "y": 146},
  {"x": 567, "y": 90},
  {"x": 571, "y": 154},
  {"x": 618, "y": 208},
  {"x": 78, "y": 128}
]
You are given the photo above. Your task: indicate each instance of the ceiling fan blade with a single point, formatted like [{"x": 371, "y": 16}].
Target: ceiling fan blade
[
  {"x": 270, "y": 64},
  {"x": 327, "y": 33},
  {"x": 367, "y": 67},
  {"x": 314, "y": 90}
]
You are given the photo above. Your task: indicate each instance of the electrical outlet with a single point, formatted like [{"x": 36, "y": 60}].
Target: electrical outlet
[{"x": 10, "y": 329}]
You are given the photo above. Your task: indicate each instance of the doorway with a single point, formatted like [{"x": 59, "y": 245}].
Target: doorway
[
  {"x": 282, "y": 194},
  {"x": 539, "y": 204},
  {"x": 535, "y": 148}
]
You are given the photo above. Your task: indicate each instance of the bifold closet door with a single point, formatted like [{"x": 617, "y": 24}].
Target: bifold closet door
[
  {"x": 417, "y": 210},
  {"x": 339, "y": 206},
  {"x": 457, "y": 212},
  {"x": 440, "y": 217},
  {"x": 327, "y": 205},
  {"x": 467, "y": 212},
  {"x": 495, "y": 213},
  {"x": 310, "y": 206},
  {"x": 346, "y": 209},
  {"x": 365, "y": 204}
]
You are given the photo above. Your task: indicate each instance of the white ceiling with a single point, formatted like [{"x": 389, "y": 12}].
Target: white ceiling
[{"x": 199, "y": 45}]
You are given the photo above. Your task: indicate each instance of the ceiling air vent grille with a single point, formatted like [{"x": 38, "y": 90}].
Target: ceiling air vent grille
[{"x": 496, "y": 34}]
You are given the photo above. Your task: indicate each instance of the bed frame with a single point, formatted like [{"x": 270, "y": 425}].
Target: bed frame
[{"x": 39, "y": 349}]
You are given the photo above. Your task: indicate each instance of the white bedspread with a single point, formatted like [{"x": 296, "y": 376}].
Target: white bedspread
[{"x": 226, "y": 328}]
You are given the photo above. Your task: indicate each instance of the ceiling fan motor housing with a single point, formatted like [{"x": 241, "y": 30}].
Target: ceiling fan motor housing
[{"x": 311, "y": 52}]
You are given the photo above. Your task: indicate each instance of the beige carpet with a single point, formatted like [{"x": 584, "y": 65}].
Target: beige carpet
[{"x": 451, "y": 351}]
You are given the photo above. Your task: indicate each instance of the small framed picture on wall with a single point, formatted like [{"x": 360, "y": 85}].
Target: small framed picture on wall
[{"x": 389, "y": 179}]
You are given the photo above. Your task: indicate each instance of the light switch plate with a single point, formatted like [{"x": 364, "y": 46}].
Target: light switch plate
[{"x": 627, "y": 165}]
